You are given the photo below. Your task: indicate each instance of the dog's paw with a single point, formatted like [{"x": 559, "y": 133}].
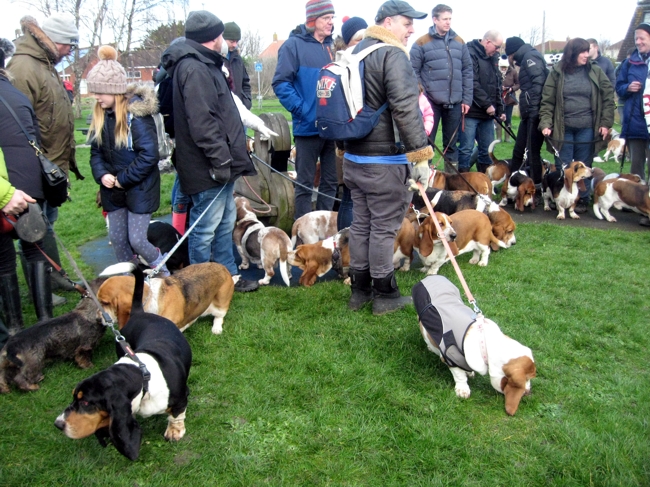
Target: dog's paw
[
  {"x": 217, "y": 326},
  {"x": 462, "y": 391},
  {"x": 503, "y": 202},
  {"x": 243, "y": 266},
  {"x": 175, "y": 431},
  {"x": 573, "y": 215},
  {"x": 474, "y": 260},
  {"x": 347, "y": 281},
  {"x": 482, "y": 264},
  {"x": 560, "y": 217}
]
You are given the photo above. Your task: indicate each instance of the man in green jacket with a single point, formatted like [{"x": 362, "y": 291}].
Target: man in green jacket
[{"x": 38, "y": 51}]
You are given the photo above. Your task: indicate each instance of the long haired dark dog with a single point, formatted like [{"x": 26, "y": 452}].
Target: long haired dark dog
[{"x": 106, "y": 403}]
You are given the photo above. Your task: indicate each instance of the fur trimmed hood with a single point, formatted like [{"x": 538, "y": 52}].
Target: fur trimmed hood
[
  {"x": 142, "y": 100},
  {"x": 384, "y": 35},
  {"x": 48, "y": 51}
]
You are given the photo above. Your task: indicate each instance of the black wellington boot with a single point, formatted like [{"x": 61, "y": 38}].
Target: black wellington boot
[
  {"x": 387, "y": 297},
  {"x": 41, "y": 289},
  {"x": 12, "y": 310},
  {"x": 361, "y": 289}
]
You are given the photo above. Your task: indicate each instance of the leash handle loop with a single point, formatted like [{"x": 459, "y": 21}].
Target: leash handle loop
[{"x": 468, "y": 293}]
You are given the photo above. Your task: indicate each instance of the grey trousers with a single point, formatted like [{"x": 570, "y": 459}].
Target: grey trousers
[
  {"x": 639, "y": 153},
  {"x": 380, "y": 199}
]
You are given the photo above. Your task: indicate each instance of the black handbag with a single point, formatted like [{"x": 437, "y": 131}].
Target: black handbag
[{"x": 55, "y": 181}]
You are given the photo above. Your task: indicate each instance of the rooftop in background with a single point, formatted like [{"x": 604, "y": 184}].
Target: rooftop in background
[{"x": 272, "y": 50}]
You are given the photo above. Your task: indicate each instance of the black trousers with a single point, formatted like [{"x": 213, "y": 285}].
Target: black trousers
[{"x": 529, "y": 136}]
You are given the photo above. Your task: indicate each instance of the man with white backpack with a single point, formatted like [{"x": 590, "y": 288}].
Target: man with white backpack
[{"x": 382, "y": 166}]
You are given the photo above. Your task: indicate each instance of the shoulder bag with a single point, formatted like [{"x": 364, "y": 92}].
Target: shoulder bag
[{"x": 55, "y": 182}]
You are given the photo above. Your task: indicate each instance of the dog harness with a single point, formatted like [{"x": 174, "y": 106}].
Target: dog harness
[{"x": 444, "y": 316}]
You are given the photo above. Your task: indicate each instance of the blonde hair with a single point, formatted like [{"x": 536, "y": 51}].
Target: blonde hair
[{"x": 121, "y": 125}]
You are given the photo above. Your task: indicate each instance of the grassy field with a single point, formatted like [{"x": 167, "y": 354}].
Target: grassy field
[{"x": 300, "y": 391}]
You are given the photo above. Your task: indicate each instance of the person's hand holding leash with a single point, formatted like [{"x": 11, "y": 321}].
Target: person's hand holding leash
[
  {"x": 18, "y": 203},
  {"x": 546, "y": 132},
  {"x": 420, "y": 172}
]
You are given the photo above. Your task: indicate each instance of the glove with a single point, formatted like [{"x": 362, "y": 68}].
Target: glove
[
  {"x": 265, "y": 132},
  {"x": 420, "y": 173},
  {"x": 221, "y": 174}
]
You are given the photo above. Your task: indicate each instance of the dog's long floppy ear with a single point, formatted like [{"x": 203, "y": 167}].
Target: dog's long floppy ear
[
  {"x": 568, "y": 178},
  {"x": 425, "y": 238},
  {"x": 124, "y": 430},
  {"x": 513, "y": 385},
  {"x": 122, "y": 308},
  {"x": 310, "y": 274}
]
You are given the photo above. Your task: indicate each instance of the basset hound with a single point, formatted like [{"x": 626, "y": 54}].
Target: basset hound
[
  {"x": 313, "y": 226},
  {"x": 265, "y": 246},
  {"x": 468, "y": 343},
  {"x": 461, "y": 182},
  {"x": 562, "y": 187},
  {"x": 620, "y": 193},
  {"x": 318, "y": 258},
  {"x": 520, "y": 189},
  {"x": 450, "y": 202},
  {"x": 192, "y": 292},
  {"x": 106, "y": 403}
]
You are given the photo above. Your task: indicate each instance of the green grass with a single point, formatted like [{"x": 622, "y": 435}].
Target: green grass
[{"x": 300, "y": 391}]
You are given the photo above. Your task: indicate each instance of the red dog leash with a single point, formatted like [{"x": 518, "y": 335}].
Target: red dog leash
[{"x": 468, "y": 293}]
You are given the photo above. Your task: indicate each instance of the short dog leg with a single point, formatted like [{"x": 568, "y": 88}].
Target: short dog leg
[
  {"x": 175, "y": 427},
  {"x": 475, "y": 257},
  {"x": 83, "y": 357},
  {"x": 560, "y": 213},
  {"x": 573, "y": 214},
  {"x": 460, "y": 377}
]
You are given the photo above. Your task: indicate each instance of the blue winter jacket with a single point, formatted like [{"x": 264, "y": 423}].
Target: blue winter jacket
[
  {"x": 300, "y": 60},
  {"x": 443, "y": 66},
  {"x": 136, "y": 167},
  {"x": 634, "y": 123}
]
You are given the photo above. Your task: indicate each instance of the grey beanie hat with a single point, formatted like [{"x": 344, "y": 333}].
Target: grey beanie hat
[
  {"x": 61, "y": 28},
  {"x": 203, "y": 26},
  {"x": 107, "y": 76}
]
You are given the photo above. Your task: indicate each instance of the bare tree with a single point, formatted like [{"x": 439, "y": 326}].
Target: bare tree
[
  {"x": 534, "y": 35},
  {"x": 250, "y": 45}
]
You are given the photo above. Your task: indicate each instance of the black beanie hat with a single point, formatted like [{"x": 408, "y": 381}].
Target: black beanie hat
[
  {"x": 203, "y": 26},
  {"x": 643, "y": 26},
  {"x": 513, "y": 44}
]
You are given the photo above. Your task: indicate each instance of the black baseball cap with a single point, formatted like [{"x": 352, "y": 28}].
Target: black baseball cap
[{"x": 397, "y": 7}]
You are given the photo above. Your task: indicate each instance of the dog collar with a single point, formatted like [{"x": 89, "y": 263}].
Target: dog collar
[{"x": 146, "y": 375}]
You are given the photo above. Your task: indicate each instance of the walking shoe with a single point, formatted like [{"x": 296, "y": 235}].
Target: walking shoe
[
  {"x": 580, "y": 208},
  {"x": 244, "y": 285},
  {"x": 644, "y": 221}
]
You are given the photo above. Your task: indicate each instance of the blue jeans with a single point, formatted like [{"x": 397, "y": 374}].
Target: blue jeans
[
  {"x": 578, "y": 152},
  {"x": 450, "y": 122},
  {"x": 483, "y": 132},
  {"x": 211, "y": 239},
  {"x": 308, "y": 151}
]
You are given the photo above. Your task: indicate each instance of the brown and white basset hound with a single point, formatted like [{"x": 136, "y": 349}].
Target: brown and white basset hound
[
  {"x": 467, "y": 181},
  {"x": 190, "y": 293},
  {"x": 428, "y": 243},
  {"x": 313, "y": 226},
  {"x": 318, "y": 258},
  {"x": 468, "y": 342},
  {"x": 620, "y": 193},
  {"x": 264, "y": 246},
  {"x": 562, "y": 186}
]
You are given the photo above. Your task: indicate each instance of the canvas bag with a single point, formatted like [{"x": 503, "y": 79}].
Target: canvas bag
[
  {"x": 340, "y": 111},
  {"x": 165, "y": 143}
]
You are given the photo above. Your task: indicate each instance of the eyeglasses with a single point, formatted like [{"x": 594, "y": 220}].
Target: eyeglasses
[{"x": 495, "y": 46}]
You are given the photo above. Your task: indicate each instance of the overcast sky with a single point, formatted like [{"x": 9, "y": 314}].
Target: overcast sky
[{"x": 471, "y": 18}]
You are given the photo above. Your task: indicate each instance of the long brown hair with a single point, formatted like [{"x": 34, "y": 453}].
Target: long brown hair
[
  {"x": 573, "y": 48},
  {"x": 121, "y": 125}
]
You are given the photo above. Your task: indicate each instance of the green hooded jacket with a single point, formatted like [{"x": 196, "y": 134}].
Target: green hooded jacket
[
  {"x": 33, "y": 69},
  {"x": 603, "y": 106},
  {"x": 6, "y": 189}
]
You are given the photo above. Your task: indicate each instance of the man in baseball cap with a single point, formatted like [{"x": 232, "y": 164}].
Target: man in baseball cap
[{"x": 397, "y": 7}]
